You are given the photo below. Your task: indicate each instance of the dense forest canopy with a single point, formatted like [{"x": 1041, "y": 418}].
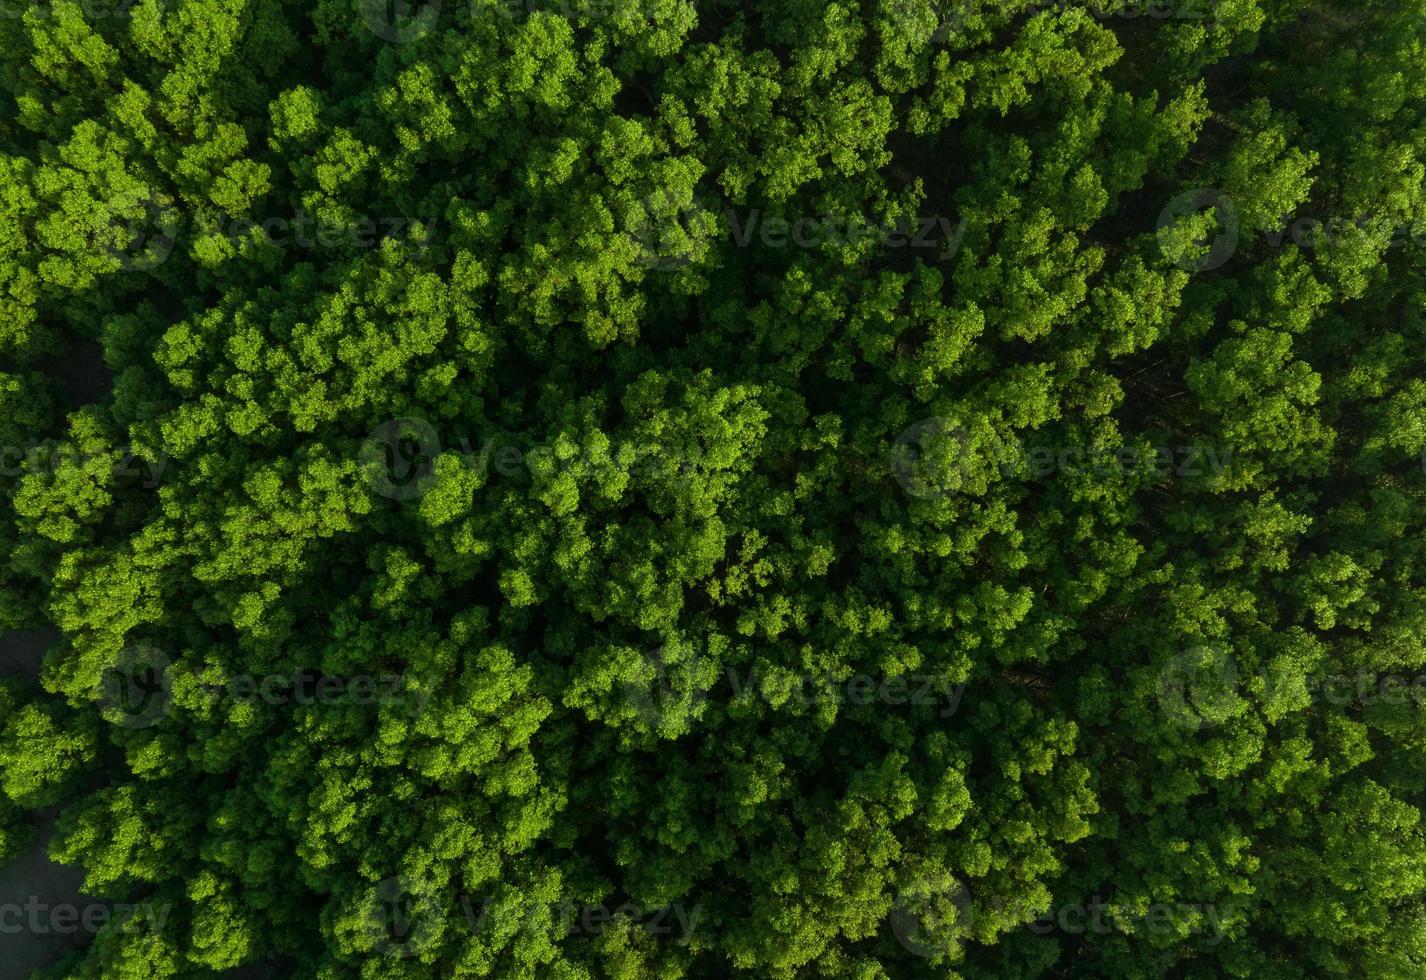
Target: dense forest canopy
[{"x": 705, "y": 488}]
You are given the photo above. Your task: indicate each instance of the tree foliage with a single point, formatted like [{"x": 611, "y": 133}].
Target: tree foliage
[{"x": 486, "y": 352}]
